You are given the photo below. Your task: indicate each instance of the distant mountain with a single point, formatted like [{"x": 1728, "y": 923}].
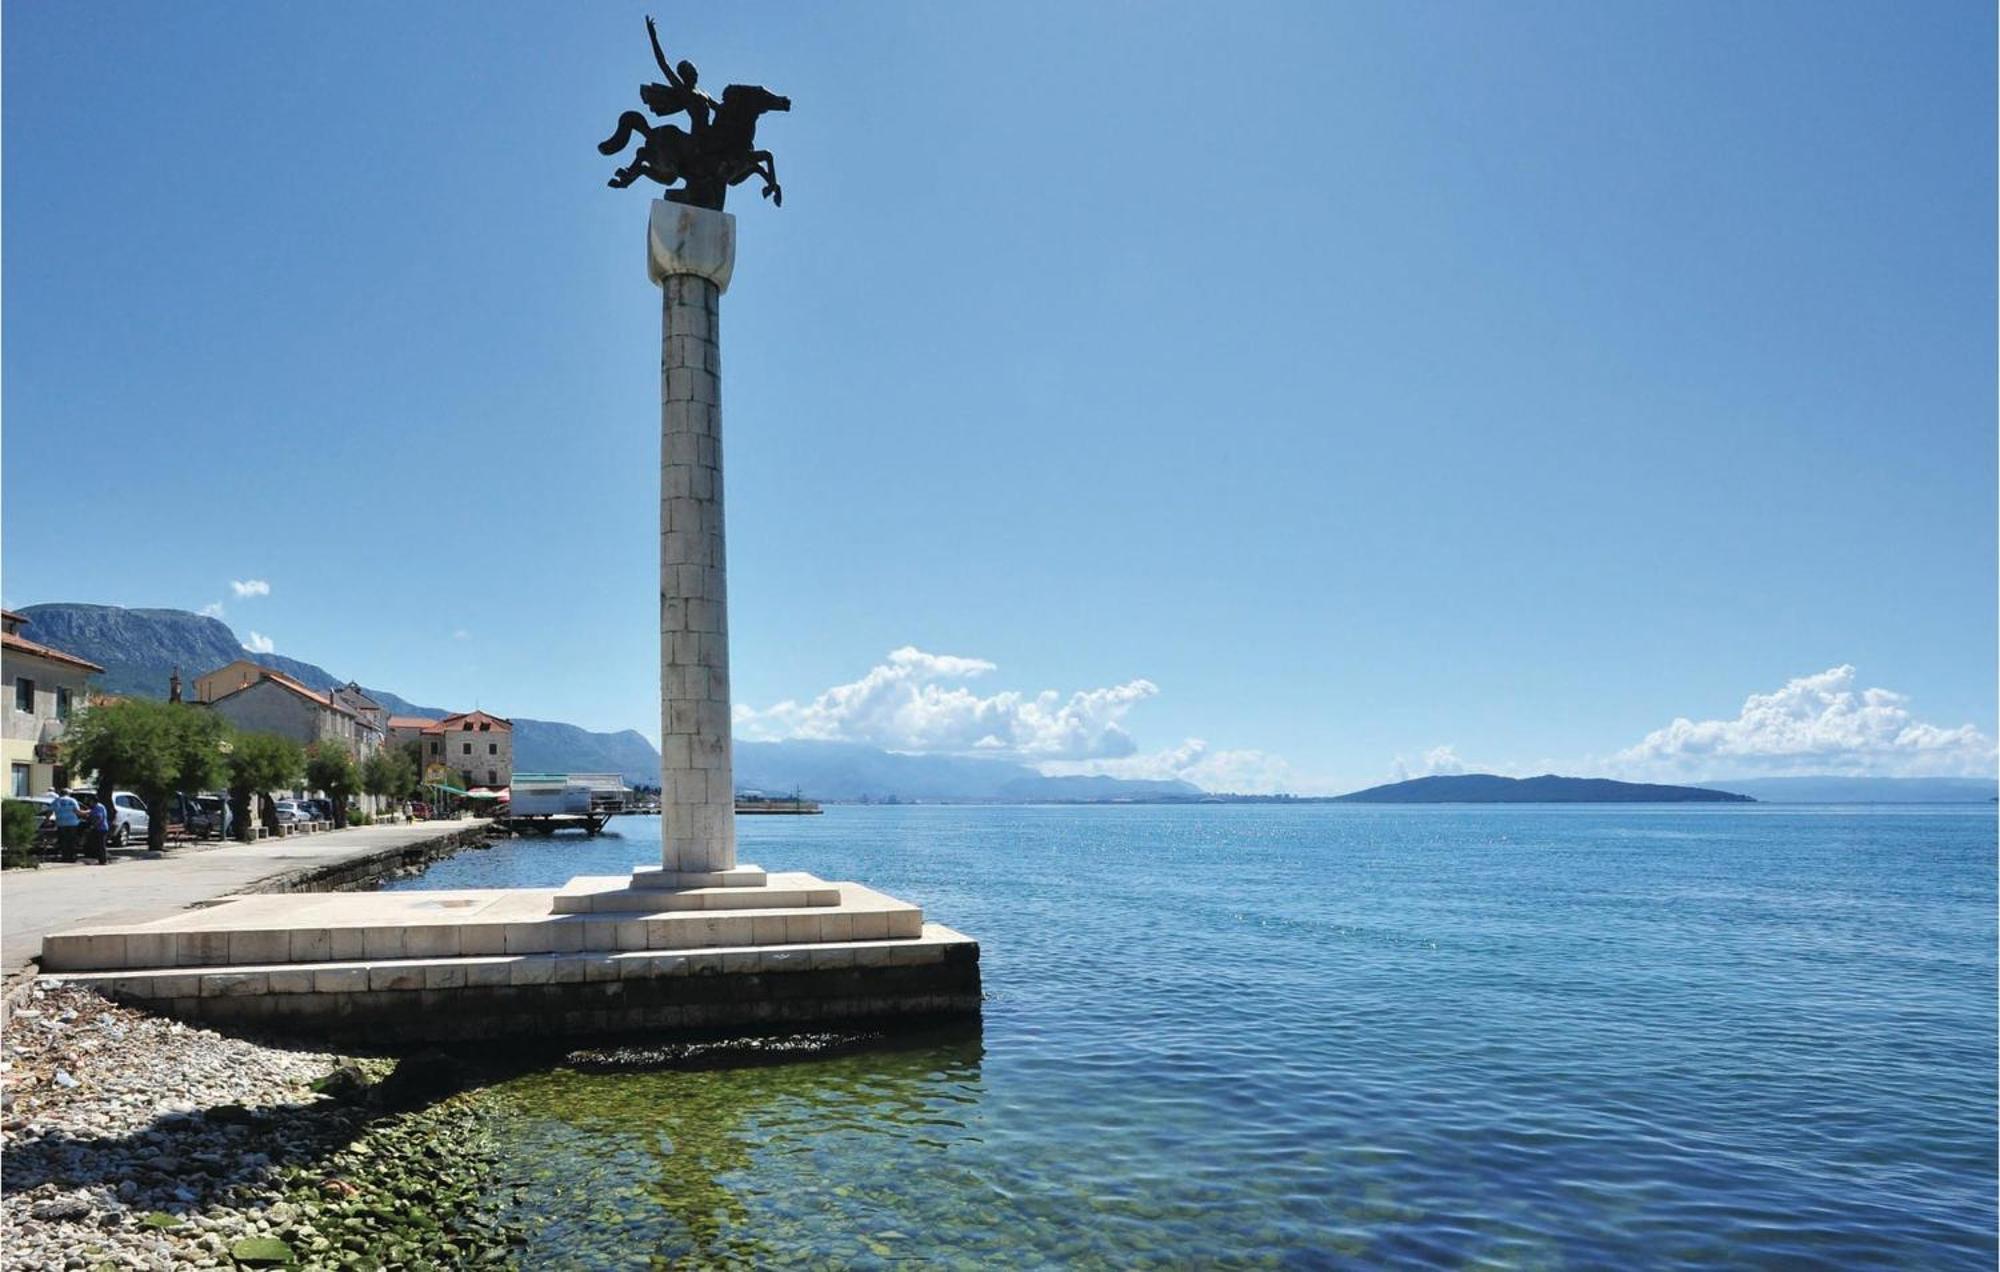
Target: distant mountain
[
  {"x": 1485, "y": 788},
  {"x": 139, "y": 649},
  {"x": 548, "y": 746},
  {"x": 1863, "y": 790},
  {"x": 849, "y": 771}
]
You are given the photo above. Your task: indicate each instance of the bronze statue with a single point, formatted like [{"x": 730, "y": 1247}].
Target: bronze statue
[{"x": 716, "y": 150}]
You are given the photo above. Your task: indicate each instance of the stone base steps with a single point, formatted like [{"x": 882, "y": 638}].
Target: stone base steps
[
  {"x": 336, "y": 928},
  {"x": 543, "y": 997},
  {"x": 929, "y": 945},
  {"x": 634, "y": 894},
  {"x": 601, "y": 955}
]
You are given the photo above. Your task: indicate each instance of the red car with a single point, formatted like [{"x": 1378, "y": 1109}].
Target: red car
[{"x": 420, "y": 811}]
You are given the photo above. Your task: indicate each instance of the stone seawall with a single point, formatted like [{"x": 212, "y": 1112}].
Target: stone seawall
[
  {"x": 361, "y": 873},
  {"x": 948, "y": 988}
]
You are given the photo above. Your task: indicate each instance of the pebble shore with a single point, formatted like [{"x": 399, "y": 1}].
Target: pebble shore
[{"x": 135, "y": 1141}]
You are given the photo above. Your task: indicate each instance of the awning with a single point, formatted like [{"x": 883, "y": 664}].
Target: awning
[{"x": 449, "y": 790}]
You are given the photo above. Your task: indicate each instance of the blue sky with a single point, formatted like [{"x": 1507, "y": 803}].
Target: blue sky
[{"x": 1351, "y": 389}]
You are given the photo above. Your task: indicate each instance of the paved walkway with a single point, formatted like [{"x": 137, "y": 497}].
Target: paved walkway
[{"x": 143, "y": 886}]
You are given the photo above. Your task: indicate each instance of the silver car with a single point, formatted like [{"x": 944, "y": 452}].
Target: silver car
[{"x": 133, "y": 820}]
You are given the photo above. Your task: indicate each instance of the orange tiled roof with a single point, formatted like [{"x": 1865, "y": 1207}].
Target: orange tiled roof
[
  {"x": 283, "y": 681},
  {"x": 23, "y": 645},
  {"x": 458, "y": 719}
]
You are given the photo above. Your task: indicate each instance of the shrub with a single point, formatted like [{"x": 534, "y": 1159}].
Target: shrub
[{"x": 18, "y": 819}]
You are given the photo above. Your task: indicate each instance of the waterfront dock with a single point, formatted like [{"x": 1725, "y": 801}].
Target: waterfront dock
[{"x": 60, "y": 896}]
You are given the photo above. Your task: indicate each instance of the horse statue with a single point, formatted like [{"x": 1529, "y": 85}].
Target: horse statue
[{"x": 717, "y": 150}]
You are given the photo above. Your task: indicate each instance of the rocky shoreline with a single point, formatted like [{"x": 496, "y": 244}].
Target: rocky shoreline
[{"x": 135, "y": 1141}]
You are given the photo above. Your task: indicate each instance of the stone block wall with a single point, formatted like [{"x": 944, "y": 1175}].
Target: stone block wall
[{"x": 698, "y": 792}]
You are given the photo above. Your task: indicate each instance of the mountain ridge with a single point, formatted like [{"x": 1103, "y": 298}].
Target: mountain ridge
[{"x": 1490, "y": 788}]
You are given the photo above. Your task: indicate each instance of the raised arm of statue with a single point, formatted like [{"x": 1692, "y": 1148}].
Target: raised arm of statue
[{"x": 659, "y": 55}]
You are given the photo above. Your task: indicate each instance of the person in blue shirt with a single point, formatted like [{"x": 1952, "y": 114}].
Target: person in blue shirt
[
  {"x": 100, "y": 831},
  {"x": 69, "y": 819}
]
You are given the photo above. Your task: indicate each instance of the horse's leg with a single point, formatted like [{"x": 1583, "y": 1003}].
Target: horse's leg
[
  {"x": 650, "y": 166},
  {"x": 628, "y": 123},
  {"x": 770, "y": 174}
]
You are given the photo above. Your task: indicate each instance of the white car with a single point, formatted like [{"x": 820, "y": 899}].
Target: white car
[
  {"x": 133, "y": 820},
  {"x": 289, "y": 812}
]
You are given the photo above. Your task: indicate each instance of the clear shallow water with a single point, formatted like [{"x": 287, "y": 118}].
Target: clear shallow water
[{"x": 1536, "y": 1037}]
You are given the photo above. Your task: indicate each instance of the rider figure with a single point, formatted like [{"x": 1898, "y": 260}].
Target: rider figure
[{"x": 681, "y": 92}]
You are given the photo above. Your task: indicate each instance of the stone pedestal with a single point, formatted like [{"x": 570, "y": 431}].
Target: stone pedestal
[{"x": 690, "y": 253}]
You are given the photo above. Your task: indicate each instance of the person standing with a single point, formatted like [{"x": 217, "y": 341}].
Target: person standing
[
  {"x": 69, "y": 822},
  {"x": 100, "y": 831}
]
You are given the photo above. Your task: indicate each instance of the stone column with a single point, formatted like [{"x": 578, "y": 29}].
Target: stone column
[{"x": 690, "y": 253}]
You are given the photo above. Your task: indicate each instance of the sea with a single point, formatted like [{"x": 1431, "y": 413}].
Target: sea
[{"x": 1330, "y": 1036}]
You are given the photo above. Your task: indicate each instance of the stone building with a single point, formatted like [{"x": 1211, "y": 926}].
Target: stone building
[
  {"x": 46, "y": 685},
  {"x": 258, "y": 699},
  {"x": 355, "y": 699},
  {"x": 473, "y": 746}
]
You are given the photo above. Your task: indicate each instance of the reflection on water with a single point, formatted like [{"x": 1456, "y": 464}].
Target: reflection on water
[
  {"x": 1252, "y": 1036},
  {"x": 676, "y": 1165}
]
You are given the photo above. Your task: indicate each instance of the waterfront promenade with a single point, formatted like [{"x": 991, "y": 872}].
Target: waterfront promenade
[{"x": 34, "y": 903}]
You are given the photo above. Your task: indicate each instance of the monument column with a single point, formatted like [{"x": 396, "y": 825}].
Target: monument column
[{"x": 690, "y": 254}]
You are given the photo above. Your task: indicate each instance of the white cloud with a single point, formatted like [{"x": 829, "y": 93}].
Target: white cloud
[
  {"x": 914, "y": 702},
  {"x": 249, "y": 587},
  {"x": 1443, "y": 760},
  {"x": 212, "y": 610},
  {"x": 259, "y": 643},
  {"x": 1815, "y": 724},
  {"x": 461, "y": 634},
  {"x": 1439, "y": 761},
  {"x": 1241, "y": 772}
]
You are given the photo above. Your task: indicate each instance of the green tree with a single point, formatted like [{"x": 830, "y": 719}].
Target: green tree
[
  {"x": 260, "y": 763},
  {"x": 412, "y": 752},
  {"x": 154, "y": 748},
  {"x": 387, "y": 773},
  {"x": 330, "y": 768}
]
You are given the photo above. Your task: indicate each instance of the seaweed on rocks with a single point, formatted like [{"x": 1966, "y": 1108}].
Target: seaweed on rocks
[{"x": 174, "y": 1146}]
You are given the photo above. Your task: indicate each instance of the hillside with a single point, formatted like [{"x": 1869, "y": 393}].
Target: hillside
[{"x": 1486, "y": 788}]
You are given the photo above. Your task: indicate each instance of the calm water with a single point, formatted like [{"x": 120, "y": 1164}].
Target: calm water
[{"x": 1524, "y": 1037}]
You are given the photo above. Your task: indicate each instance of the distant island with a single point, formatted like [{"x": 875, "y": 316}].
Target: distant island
[{"x": 1488, "y": 788}]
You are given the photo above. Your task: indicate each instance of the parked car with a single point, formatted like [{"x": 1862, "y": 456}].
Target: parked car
[
  {"x": 317, "y": 809},
  {"x": 131, "y": 821},
  {"x": 205, "y": 816},
  {"x": 129, "y": 813},
  {"x": 420, "y": 810},
  {"x": 290, "y": 812}
]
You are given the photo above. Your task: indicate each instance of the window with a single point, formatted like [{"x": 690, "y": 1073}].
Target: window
[
  {"x": 492, "y": 777},
  {"x": 24, "y": 694},
  {"x": 493, "y": 748},
  {"x": 437, "y": 748},
  {"x": 468, "y": 748},
  {"x": 62, "y": 702},
  {"x": 129, "y": 801},
  {"x": 21, "y": 780},
  {"x": 484, "y": 727}
]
